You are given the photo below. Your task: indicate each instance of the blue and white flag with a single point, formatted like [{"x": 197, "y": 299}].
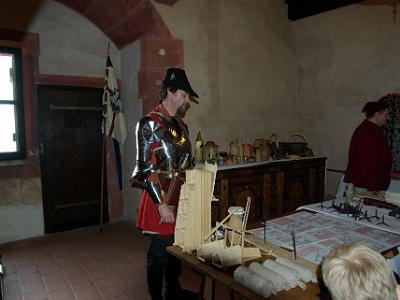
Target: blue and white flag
[{"x": 114, "y": 124}]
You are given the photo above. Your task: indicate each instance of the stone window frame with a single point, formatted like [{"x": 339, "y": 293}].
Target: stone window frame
[
  {"x": 28, "y": 43},
  {"x": 17, "y": 102}
]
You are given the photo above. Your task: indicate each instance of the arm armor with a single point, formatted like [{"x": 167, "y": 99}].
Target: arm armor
[
  {"x": 148, "y": 132},
  {"x": 154, "y": 190}
]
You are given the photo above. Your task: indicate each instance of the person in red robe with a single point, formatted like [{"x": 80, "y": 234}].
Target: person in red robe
[{"x": 370, "y": 160}]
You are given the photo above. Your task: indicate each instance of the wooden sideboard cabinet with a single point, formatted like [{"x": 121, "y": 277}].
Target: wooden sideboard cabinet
[{"x": 275, "y": 187}]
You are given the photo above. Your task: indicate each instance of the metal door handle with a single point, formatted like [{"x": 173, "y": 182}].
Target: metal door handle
[{"x": 41, "y": 148}]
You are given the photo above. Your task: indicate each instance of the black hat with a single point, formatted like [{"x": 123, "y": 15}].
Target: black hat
[{"x": 176, "y": 79}]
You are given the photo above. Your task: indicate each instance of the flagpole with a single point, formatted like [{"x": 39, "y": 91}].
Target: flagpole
[
  {"x": 113, "y": 126},
  {"x": 103, "y": 154},
  {"x": 103, "y": 160}
]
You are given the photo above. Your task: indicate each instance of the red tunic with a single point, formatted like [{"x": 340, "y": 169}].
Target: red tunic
[
  {"x": 148, "y": 217},
  {"x": 370, "y": 159}
]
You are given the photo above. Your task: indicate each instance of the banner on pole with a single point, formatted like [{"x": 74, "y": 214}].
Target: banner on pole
[{"x": 114, "y": 125}]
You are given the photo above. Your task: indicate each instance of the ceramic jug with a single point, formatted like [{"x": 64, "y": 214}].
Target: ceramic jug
[{"x": 210, "y": 151}]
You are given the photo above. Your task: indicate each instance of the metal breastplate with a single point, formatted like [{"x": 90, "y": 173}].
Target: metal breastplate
[
  {"x": 168, "y": 138},
  {"x": 175, "y": 145}
]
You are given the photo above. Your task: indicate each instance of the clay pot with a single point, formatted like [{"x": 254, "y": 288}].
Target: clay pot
[
  {"x": 257, "y": 143},
  {"x": 234, "y": 148},
  {"x": 247, "y": 150},
  {"x": 265, "y": 150},
  {"x": 229, "y": 160},
  {"x": 258, "y": 155}
]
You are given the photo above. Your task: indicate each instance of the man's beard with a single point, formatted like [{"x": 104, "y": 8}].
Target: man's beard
[{"x": 181, "y": 111}]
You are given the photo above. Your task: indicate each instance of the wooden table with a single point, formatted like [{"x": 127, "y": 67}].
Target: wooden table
[{"x": 212, "y": 275}]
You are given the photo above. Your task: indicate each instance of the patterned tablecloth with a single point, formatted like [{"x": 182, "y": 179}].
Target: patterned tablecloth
[
  {"x": 316, "y": 234},
  {"x": 382, "y": 220}
]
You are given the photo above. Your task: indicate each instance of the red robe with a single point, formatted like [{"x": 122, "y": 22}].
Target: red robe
[
  {"x": 148, "y": 217},
  {"x": 370, "y": 159}
]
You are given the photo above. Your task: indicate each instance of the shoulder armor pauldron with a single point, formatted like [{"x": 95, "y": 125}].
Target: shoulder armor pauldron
[{"x": 149, "y": 130}]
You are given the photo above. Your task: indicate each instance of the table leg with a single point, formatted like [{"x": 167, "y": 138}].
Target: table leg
[
  {"x": 201, "y": 289},
  {"x": 213, "y": 290},
  {"x": 209, "y": 289}
]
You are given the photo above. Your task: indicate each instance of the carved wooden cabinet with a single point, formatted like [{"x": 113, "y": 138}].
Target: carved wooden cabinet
[{"x": 275, "y": 187}]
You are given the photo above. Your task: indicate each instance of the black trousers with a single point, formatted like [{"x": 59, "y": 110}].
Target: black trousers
[{"x": 160, "y": 265}]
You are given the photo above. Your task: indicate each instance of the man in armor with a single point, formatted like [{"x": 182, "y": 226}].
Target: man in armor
[{"x": 163, "y": 153}]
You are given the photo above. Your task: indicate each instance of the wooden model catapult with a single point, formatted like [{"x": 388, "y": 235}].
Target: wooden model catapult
[{"x": 193, "y": 223}]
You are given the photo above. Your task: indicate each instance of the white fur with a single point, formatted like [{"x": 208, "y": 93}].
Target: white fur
[
  {"x": 279, "y": 283},
  {"x": 291, "y": 275},
  {"x": 306, "y": 275},
  {"x": 252, "y": 281}
]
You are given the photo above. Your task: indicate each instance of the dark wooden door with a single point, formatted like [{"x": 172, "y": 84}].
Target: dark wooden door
[
  {"x": 296, "y": 186},
  {"x": 243, "y": 187},
  {"x": 70, "y": 156},
  {"x": 274, "y": 190}
]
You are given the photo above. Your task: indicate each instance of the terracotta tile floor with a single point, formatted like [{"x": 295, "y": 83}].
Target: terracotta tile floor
[{"x": 82, "y": 264}]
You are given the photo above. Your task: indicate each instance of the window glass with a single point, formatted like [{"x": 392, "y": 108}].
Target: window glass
[
  {"x": 12, "y": 138},
  {"x": 7, "y": 124},
  {"x": 6, "y": 82}
]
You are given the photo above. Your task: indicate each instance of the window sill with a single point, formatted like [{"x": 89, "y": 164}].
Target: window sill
[{"x": 13, "y": 162}]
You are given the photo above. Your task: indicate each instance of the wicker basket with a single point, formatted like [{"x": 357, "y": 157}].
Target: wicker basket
[{"x": 295, "y": 147}]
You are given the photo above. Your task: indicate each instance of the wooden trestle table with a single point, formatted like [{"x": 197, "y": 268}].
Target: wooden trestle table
[{"x": 212, "y": 275}]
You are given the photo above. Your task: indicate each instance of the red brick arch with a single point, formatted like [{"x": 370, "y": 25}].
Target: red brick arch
[{"x": 126, "y": 21}]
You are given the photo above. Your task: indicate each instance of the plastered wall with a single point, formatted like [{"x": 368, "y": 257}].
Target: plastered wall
[
  {"x": 344, "y": 58},
  {"x": 70, "y": 44},
  {"x": 131, "y": 56},
  {"x": 239, "y": 56},
  {"x": 20, "y": 191}
]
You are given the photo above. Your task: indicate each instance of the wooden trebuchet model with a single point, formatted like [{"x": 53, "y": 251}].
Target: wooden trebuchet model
[
  {"x": 193, "y": 220},
  {"x": 231, "y": 251}
]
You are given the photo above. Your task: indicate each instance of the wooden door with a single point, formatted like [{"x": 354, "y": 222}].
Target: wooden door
[
  {"x": 296, "y": 186},
  {"x": 70, "y": 156},
  {"x": 247, "y": 185},
  {"x": 273, "y": 194}
]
